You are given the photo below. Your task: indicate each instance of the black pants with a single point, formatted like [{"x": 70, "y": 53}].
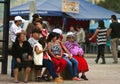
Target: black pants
[{"x": 101, "y": 49}]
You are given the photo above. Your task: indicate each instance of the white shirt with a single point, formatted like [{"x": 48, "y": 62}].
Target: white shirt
[
  {"x": 14, "y": 29},
  {"x": 81, "y": 36},
  {"x": 38, "y": 58},
  {"x": 32, "y": 41}
]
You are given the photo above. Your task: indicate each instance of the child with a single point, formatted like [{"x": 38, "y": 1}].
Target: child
[{"x": 41, "y": 58}]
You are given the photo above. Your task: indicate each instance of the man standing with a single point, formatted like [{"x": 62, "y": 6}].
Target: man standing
[
  {"x": 14, "y": 29},
  {"x": 114, "y": 32},
  {"x": 81, "y": 36}
]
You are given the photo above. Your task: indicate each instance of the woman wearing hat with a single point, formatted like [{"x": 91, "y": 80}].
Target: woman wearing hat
[
  {"x": 71, "y": 62},
  {"x": 77, "y": 53}
]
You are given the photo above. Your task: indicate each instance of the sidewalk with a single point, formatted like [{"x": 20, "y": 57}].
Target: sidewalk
[
  {"x": 89, "y": 55},
  {"x": 98, "y": 74}
]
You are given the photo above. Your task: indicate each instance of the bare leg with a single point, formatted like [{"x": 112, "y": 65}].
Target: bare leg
[
  {"x": 16, "y": 74},
  {"x": 28, "y": 69},
  {"x": 46, "y": 72},
  {"x": 59, "y": 75},
  {"x": 39, "y": 73}
]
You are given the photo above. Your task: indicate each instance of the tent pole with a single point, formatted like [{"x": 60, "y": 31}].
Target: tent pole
[
  {"x": 64, "y": 24},
  {"x": 5, "y": 36}
]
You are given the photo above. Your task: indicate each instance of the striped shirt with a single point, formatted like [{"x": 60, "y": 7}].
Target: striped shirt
[{"x": 102, "y": 36}]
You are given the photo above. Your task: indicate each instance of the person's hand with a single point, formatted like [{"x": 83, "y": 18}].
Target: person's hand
[
  {"x": 58, "y": 57},
  {"x": 29, "y": 57},
  {"x": 107, "y": 40},
  {"x": 45, "y": 48},
  {"x": 23, "y": 31},
  {"x": 18, "y": 60},
  {"x": 90, "y": 39},
  {"x": 69, "y": 56}
]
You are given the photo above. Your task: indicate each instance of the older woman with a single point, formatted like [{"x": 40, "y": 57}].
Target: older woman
[
  {"x": 22, "y": 52},
  {"x": 77, "y": 53}
]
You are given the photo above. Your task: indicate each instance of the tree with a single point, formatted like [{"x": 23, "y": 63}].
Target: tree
[{"x": 113, "y": 5}]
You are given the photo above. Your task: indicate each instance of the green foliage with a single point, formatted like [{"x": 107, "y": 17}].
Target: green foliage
[{"x": 113, "y": 5}]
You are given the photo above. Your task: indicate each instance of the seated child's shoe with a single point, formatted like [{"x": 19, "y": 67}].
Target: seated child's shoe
[
  {"x": 58, "y": 80},
  {"x": 84, "y": 77},
  {"x": 38, "y": 79},
  {"x": 76, "y": 79},
  {"x": 46, "y": 78}
]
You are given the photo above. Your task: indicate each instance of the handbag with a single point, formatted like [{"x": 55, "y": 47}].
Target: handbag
[{"x": 25, "y": 56}]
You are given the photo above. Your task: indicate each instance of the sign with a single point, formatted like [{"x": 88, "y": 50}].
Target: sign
[{"x": 70, "y": 6}]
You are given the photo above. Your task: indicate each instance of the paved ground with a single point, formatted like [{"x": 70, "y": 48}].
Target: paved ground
[{"x": 98, "y": 74}]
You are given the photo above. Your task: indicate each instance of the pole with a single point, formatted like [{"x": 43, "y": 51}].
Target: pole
[
  {"x": 64, "y": 23},
  {"x": 32, "y": 8},
  {"x": 5, "y": 36}
]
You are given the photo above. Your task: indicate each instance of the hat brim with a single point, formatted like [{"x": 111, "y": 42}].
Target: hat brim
[{"x": 70, "y": 36}]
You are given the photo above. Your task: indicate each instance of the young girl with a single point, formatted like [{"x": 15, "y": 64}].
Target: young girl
[
  {"x": 101, "y": 33},
  {"x": 77, "y": 53},
  {"x": 55, "y": 52},
  {"x": 41, "y": 56}
]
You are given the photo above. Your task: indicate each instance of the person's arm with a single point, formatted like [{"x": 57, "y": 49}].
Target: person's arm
[
  {"x": 109, "y": 32},
  {"x": 61, "y": 52},
  {"x": 110, "y": 29},
  {"x": 96, "y": 32},
  {"x": 49, "y": 50},
  {"x": 66, "y": 50},
  {"x": 38, "y": 51},
  {"x": 78, "y": 37},
  {"x": 29, "y": 50},
  {"x": 15, "y": 53},
  {"x": 83, "y": 33}
]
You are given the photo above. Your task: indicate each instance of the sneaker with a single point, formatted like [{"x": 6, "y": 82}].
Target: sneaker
[
  {"x": 96, "y": 61},
  {"x": 103, "y": 62},
  {"x": 25, "y": 81},
  {"x": 46, "y": 78},
  {"x": 38, "y": 79},
  {"x": 84, "y": 77},
  {"x": 58, "y": 80},
  {"x": 16, "y": 81},
  {"x": 76, "y": 79}
]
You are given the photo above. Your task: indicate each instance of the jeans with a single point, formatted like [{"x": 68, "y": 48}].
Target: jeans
[
  {"x": 73, "y": 66},
  {"x": 12, "y": 66},
  {"x": 50, "y": 66}
]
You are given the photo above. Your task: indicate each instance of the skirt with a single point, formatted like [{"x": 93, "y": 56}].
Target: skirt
[{"x": 82, "y": 64}]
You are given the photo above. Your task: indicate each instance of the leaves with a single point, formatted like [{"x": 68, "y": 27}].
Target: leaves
[{"x": 113, "y": 5}]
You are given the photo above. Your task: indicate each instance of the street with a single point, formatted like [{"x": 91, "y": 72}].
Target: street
[{"x": 98, "y": 74}]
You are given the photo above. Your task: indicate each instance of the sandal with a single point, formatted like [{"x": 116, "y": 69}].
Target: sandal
[{"x": 16, "y": 81}]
